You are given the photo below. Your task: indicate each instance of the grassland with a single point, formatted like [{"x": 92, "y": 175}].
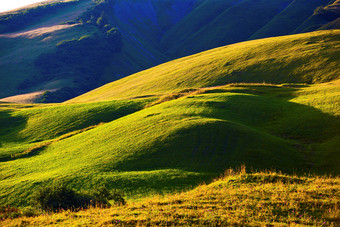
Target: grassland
[
  {"x": 173, "y": 143},
  {"x": 237, "y": 198},
  {"x": 304, "y": 58},
  {"x": 167, "y": 129},
  {"x": 30, "y": 124}
]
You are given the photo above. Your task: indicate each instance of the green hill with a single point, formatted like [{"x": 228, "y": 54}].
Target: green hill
[
  {"x": 71, "y": 47},
  {"x": 287, "y": 59},
  {"x": 181, "y": 123}
]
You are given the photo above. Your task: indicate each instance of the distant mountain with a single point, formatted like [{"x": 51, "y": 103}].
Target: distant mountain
[{"x": 70, "y": 47}]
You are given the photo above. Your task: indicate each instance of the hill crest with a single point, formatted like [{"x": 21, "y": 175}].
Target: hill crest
[{"x": 288, "y": 59}]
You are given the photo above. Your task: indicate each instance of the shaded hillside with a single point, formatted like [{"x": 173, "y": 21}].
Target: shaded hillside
[
  {"x": 289, "y": 19},
  {"x": 323, "y": 18},
  {"x": 151, "y": 31}
]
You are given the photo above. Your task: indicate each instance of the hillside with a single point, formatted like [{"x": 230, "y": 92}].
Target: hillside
[
  {"x": 287, "y": 20},
  {"x": 189, "y": 128},
  {"x": 238, "y": 198},
  {"x": 145, "y": 33},
  {"x": 286, "y": 59},
  {"x": 323, "y": 18}
]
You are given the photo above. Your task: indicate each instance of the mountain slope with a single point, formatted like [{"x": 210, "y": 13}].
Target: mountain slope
[
  {"x": 288, "y": 59},
  {"x": 234, "y": 25},
  {"x": 289, "y": 19},
  {"x": 322, "y": 18},
  {"x": 149, "y": 33}
]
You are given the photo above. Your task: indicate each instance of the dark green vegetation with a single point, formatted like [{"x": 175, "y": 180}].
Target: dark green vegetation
[
  {"x": 61, "y": 197},
  {"x": 187, "y": 127},
  {"x": 81, "y": 59},
  {"x": 148, "y": 33}
]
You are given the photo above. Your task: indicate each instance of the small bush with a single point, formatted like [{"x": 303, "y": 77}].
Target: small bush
[
  {"x": 13, "y": 212},
  {"x": 29, "y": 212},
  {"x": 61, "y": 197},
  {"x": 103, "y": 195},
  {"x": 9, "y": 212},
  {"x": 56, "y": 197},
  {"x": 118, "y": 198}
]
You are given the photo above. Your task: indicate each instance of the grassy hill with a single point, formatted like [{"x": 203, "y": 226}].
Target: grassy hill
[
  {"x": 286, "y": 59},
  {"x": 238, "y": 198},
  {"x": 26, "y": 125},
  {"x": 150, "y": 32},
  {"x": 189, "y": 128}
]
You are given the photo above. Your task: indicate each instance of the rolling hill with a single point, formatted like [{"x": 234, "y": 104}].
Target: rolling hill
[
  {"x": 286, "y": 59},
  {"x": 149, "y": 32},
  {"x": 270, "y": 103}
]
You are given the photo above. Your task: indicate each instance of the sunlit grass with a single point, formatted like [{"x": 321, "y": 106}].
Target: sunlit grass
[
  {"x": 171, "y": 143},
  {"x": 191, "y": 124},
  {"x": 237, "y": 198},
  {"x": 286, "y": 59}
]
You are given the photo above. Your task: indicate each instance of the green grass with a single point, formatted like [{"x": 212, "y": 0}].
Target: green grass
[
  {"x": 179, "y": 143},
  {"x": 186, "y": 129},
  {"x": 303, "y": 58},
  {"x": 30, "y": 46},
  {"x": 24, "y": 126},
  {"x": 238, "y": 198}
]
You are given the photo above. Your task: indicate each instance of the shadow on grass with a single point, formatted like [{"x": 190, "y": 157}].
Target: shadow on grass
[
  {"x": 264, "y": 131},
  {"x": 10, "y": 127}
]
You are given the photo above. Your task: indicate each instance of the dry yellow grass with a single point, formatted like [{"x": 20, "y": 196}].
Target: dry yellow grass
[{"x": 238, "y": 198}]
